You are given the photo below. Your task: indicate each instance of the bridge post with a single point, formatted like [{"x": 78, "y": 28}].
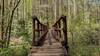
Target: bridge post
[
  {"x": 59, "y": 28},
  {"x": 65, "y": 32},
  {"x": 41, "y": 29},
  {"x": 38, "y": 28},
  {"x": 33, "y": 29}
]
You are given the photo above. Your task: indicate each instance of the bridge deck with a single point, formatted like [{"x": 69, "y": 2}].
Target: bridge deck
[{"x": 51, "y": 47}]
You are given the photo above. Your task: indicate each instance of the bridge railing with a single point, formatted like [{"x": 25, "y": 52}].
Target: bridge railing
[
  {"x": 39, "y": 31},
  {"x": 60, "y": 28}
]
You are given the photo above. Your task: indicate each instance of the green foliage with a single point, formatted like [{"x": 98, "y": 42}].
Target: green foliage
[
  {"x": 21, "y": 51},
  {"x": 15, "y": 51},
  {"x": 6, "y": 52},
  {"x": 84, "y": 51}
]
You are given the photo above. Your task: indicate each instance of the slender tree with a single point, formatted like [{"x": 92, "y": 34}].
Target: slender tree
[
  {"x": 2, "y": 21},
  {"x": 8, "y": 29}
]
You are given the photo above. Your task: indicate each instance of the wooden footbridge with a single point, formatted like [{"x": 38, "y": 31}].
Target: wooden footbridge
[{"x": 49, "y": 41}]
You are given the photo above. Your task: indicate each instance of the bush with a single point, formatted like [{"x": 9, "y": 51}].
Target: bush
[
  {"x": 84, "y": 51},
  {"x": 15, "y": 51}
]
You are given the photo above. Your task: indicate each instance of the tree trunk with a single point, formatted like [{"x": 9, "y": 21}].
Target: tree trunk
[
  {"x": 10, "y": 24},
  {"x": 2, "y": 22}
]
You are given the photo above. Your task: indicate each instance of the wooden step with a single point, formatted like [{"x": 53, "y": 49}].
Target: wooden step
[
  {"x": 46, "y": 47},
  {"x": 47, "y": 54},
  {"x": 47, "y": 50},
  {"x": 50, "y": 51}
]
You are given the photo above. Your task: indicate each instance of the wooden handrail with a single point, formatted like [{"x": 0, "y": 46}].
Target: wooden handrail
[
  {"x": 62, "y": 17},
  {"x": 57, "y": 26},
  {"x": 36, "y": 19},
  {"x": 40, "y": 29}
]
